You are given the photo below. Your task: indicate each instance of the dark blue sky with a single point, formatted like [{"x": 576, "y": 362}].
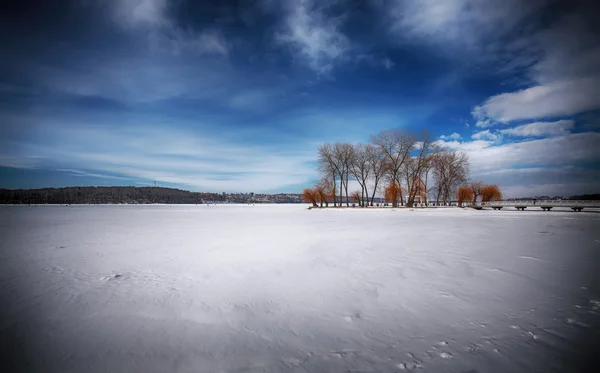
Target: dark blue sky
[{"x": 237, "y": 95}]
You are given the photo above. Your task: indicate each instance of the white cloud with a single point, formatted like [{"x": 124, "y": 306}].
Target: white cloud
[
  {"x": 559, "y": 63},
  {"x": 91, "y": 174},
  {"x": 387, "y": 63},
  {"x": 466, "y": 146},
  {"x": 486, "y": 135},
  {"x": 18, "y": 161},
  {"x": 560, "y": 98},
  {"x": 153, "y": 17},
  {"x": 178, "y": 41},
  {"x": 464, "y": 24},
  {"x": 182, "y": 156},
  {"x": 141, "y": 79},
  {"x": 454, "y": 136},
  {"x": 532, "y": 181},
  {"x": 315, "y": 37},
  {"x": 564, "y": 75},
  {"x": 563, "y": 150},
  {"x": 482, "y": 123},
  {"x": 538, "y": 129},
  {"x": 135, "y": 13},
  {"x": 375, "y": 61},
  {"x": 571, "y": 48},
  {"x": 534, "y": 167}
]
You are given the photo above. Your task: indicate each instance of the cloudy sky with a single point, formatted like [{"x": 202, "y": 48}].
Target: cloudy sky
[{"x": 237, "y": 95}]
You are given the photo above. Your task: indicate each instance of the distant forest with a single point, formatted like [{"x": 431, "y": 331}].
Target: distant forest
[
  {"x": 586, "y": 197},
  {"x": 101, "y": 195}
]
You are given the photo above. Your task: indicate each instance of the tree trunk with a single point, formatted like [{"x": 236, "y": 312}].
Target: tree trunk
[
  {"x": 408, "y": 185},
  {"x": 426, "y": 191},
  {"x": 346, "y": 189},
  {"x": 334, "y": 204},
  {"x": 362, "y": 195},
  {"x": 374, "y": 191},
  {"x": 401, "y": 196}
]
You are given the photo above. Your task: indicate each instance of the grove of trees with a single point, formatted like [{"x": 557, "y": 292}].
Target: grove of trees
[
  {"x": 403, "y": 166},
  {"x": 470, "y": 193},
  {"x": 99, "y": 195}
]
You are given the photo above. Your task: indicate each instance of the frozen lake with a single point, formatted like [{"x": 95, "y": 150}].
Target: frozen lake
[{"x": 278, "y": 288}]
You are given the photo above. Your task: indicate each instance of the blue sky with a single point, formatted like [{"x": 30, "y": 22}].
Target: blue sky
[{"x": 237, "y": 96}]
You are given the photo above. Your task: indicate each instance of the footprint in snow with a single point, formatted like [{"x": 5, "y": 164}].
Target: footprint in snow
[
  {"x": 409, "y": 366},
  {"x": 114, "y": 277}
]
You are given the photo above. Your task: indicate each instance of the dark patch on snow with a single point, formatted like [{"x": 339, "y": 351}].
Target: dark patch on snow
[{"x": 117, "y": 276}]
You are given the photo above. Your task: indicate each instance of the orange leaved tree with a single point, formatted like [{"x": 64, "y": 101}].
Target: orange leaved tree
[
  {"x": 393, "y": 193},
  {"x": 465, "y": 193},
  {"x": 310, "y": 196},
  {"x": 490, "y": 193},
  {"x": 324, "y": 189}
]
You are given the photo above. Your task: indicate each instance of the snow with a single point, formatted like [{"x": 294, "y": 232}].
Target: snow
[{"x": 279, "y": 288}]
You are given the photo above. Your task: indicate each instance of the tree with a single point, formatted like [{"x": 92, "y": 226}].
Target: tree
[
  {"x": 343, "y": 154},
  {"x": 393, "y": 193},
  {"x": 396, "y": 146},
  {"x": 330, "y": 166},
  {"x": 360, "y": 168},
  {"x": 426, "y": 171},
  {"x": 356, "y": 197},
  {"x": 450, "y": 170},
  {"x": 324, "y": 189},
  {"x": 310, "y": 196},
  {"x": 417, "y": 189},
  {"x": 490, "y": 193},
  {"x": 377, "y": 165},
  {"x": 464, "y": 194},
  {"x": 476, "y": 187},
  {"x": 417, "y": 164}
]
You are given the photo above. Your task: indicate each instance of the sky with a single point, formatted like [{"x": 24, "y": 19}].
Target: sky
[{"x": 236, "y": 96}]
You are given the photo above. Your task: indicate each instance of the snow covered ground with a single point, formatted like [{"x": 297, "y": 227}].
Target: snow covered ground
[{"x": 278, "y": 288}]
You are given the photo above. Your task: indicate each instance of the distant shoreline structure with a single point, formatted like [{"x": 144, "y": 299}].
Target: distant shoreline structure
[{"x": 134, "y": 195}]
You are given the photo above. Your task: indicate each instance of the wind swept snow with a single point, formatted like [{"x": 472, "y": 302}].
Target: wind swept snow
[{"x": 279, "y": 288}]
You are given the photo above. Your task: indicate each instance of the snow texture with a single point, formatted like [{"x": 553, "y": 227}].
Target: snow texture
[{"x": 278, "y": 288}]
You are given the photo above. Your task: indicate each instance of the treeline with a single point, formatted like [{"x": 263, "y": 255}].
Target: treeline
[
  {"x": 586, "y": 197},
  {"x": 403, "y": 166},
  {"x": 99, "y": 195}
]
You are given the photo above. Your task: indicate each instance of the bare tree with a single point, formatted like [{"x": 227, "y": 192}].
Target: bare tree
[
  {"x": 426, "y": 170},
  {"x": 360, "y": 168},
  {"x": 377, "y": 165},
  {"x": 329, "y": 166},
  {"x": 417, "y": 164},
  {"x": 343, "y": 154},
  {"x": 450, "y": 170},
  {"x": 396, "y": 146}
]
